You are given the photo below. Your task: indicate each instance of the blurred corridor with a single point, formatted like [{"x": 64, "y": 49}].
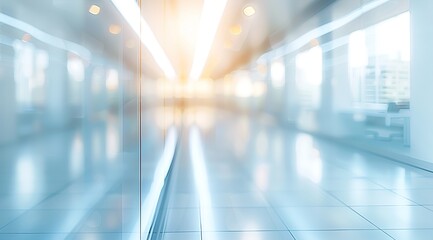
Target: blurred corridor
[{"x": 216, "y": 119}]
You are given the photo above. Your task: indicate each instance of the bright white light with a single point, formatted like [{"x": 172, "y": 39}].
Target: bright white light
[
  {"x": 261, "y": 176},
  {"x": 151, "y": 201},
  {"x": 309, "y": 68},
  {"x": 26, "y": 175},
  {"x": 41, "y": 64},
  {"x": 308, "y": 160},
  {"x": 201, "y": 179},
  {"x": 249, "y": 11},
  {"x": 259, "y": 89},
  {"x": 94, "y": 9},
  {"x": 112, "y": 142},
  {"x": 393, "y": 37},
  {"x": 244, "y": 87},
  {"x": 210, "y": 18},
  {"x": 278, "y": 74},
  {"x": 131, "y": 12},
  {"x": 358, "y": 55},
  {"x": 76, "y": 156},
  {"x": 112, "y": 81},
  {"x": 76, "y": 69}
]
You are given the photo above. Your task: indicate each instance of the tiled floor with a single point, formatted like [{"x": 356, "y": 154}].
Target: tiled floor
[
  {"x": 235, "y": 177},
  {"x": 261, "y": 181},
  {"x": 73, "y": 183}
]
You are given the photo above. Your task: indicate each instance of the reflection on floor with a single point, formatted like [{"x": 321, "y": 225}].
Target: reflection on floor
[
  {"x": 234, "y": 177},
  {"x": 68, "y": 184},
  {"x": 251, "y": 179}
]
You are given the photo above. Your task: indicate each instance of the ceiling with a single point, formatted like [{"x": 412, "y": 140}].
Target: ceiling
[{"x": 239, "y": 38}]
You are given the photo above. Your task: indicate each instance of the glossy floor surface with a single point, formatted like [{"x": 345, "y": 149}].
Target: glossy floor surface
[
  {"x": 248, "y": 178},
  {"x": 234, "y": 177}
]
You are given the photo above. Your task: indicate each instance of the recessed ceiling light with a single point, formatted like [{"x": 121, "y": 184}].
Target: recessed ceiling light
[
  {"x": 114, "y": 29},
  {"x": 249, "y": 11},
  {"x": 236, "y": 29},
  {"x": 130, "y": 11},
  {"x": 26, "y": 37},
  {"x": 94, "y": 9}
]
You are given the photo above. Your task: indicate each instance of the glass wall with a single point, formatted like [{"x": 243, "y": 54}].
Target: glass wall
[
  {"x": 352, "y": 76},
  {"x": 81, "y": 140},
  {"x": 379, "y": 60},
  {"x": 346, "y": 75}
]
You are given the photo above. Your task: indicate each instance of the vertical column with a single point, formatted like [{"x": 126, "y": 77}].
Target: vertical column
[
  {"x": 326, "y": 116},
  {"x": 326, "y": 96},
  {"x": 98, "y": 91},
  {"x": 290, "y": 95},
  {"x": 421, "y": 79},
  {"x": 7, "y": 95},
  {"x": 57, "y": 115},
  {"x": 87, "y": 93},
  {"x": 269, "y": 88}
]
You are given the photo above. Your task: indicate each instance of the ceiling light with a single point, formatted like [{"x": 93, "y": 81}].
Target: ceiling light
[
  {"x": 26, "y": 37},
  {"x": 114, "y": 29},
  {"x": 236, "y": 29},
  {"x": 249, "y": 11},
  {"x": 210, "y": 18},
  {"x": 131, "y": 13},
  {"x": 94, "y": 9}
]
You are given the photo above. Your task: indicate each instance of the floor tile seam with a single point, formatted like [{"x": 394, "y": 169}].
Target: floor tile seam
[
  {"x": 179, "y": 231},
  {"x": 382, "y": 185},
  {"x": 349, "y": 205},
  {"x": 416, "y": 202},
  {"x": 39, "y": 203},
  {"x": 394, "y": 188},
  {"x": 182, "y": 208},
  {"x": 358, "y": 190},
  {"x": 248, "y": 231},
  {"x": 365, "y": 218},
  {"x": 231, "y": 231},
  {"x": 92, "y": 209},
  {"x": 236, "y": 207},
  {"x": 340, "y": 230},
  {"x": 250, "y": 179},
  {"x": 274, "y": 210},
  {"x": 389, "y": 190},
  {"x": 411, "y": 188},
  {"x": 60, "y": 233},
  {"x": 386, "y": 205},
  {"x": 200, "y": 209},
  {"x": 90, "y": 231},
  {"x": 406, "y": 229},
  {"x": 335, "y": 229},
  {"x": 344, "y": 189},
  {"x": 427, "y": 207},
  {"x": 309, "y": 206},
  {"x": 33, "y": 232}
]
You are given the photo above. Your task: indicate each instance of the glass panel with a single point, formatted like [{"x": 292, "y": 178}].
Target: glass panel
[
  {"x": 379, "y": 59},
  {"x": 69, "y": 121}
]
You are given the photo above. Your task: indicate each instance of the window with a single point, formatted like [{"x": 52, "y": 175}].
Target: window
[
  {"x": 278, "y": 74},
  {"x": 31, "y": 64},
  {"x": 379, "y": 61},
  {"x": 309, "y": 77}
]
